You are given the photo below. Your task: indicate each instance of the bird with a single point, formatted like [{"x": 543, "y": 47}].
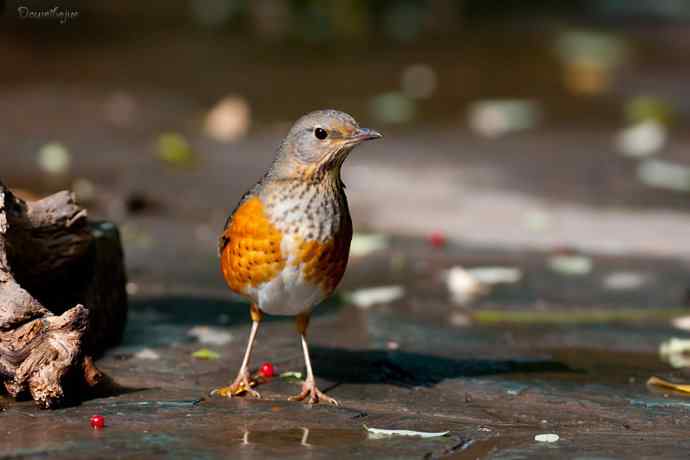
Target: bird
[{"x": 286, "y": 244}]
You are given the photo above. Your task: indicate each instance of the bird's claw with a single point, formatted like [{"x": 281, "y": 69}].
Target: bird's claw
[
  {"x": 315, "y": 395},
  {"x": 242, "y": 384}
]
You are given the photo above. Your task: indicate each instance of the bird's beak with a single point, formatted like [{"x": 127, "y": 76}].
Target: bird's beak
[{"x": 364, "y": 134}]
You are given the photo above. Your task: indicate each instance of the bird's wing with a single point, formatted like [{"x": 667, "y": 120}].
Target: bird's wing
[{"x": 225, "y": 236}]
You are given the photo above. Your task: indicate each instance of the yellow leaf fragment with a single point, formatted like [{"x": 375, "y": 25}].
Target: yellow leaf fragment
[{"x": 656, "y": 381}]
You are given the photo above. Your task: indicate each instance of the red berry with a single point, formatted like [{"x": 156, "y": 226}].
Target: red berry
[
  {"x": 437, "y": 239},
  {"x": 267, "y": 370},
  {"x": 97, "y": 421}
]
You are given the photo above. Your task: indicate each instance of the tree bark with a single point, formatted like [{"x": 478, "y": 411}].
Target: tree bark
[{"x": 62, "y": 296}]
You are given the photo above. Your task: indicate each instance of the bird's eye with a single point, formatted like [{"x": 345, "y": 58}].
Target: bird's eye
[{"x": 320, "y": 133}]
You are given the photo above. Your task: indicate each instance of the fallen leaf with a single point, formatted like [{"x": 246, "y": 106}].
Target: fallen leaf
[
  {"x": 664, "y": 174},
  {"x": 132, "y": 288},
  {"x": 292, "y": 376},
  {"x": 572, "y": 265},
  {"x": 173, "y": 148},
  {"x": 682, "y": 322},
  {"x": 589, "y": 59},
  {"x": 496, "y": 275},
  {"x": 147, "y": 353},
  {"x": 229, "y": 120},
  {"x": 642, "y": 139},
  {"x": 366, "y": 298},
  {"x": 54, "y": 158},
  {"x": 363, "y": 244},
  {"x": 676, "y": 352},
  {"x": 210, "y": 335},
  {"x": 547, "y": 437},
  {"x": 623, "y": 281},
  {"x": 656, "y": 381},
  {"x": 649, "y": 108},
  {"x": 205, "y": 353},
  {"x": 496, "y": 118},
  {"x": 380, "y": 433},
  {"x": 464, "y": 287}
]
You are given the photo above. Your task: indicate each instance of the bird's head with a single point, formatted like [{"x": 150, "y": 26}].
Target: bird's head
[{"x": 318, "y": 143}]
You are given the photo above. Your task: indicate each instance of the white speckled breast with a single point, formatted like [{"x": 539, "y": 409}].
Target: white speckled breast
[{"x": 302, "y": 212}]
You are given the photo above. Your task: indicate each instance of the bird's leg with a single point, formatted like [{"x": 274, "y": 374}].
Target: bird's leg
[
  {"x": 243, "y": 381},
  {"x": 309, "y": 386}
]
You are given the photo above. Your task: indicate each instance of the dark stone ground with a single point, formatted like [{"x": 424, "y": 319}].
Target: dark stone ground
[{"x": 493, "y": 384}]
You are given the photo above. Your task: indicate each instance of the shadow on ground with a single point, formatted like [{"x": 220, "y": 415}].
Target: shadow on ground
[
  {"x": 160, "y": 321},
  {"x": 416, "y": 369}
]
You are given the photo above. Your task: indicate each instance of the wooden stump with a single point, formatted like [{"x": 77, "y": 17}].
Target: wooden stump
[{"x": 62, "y": 296}]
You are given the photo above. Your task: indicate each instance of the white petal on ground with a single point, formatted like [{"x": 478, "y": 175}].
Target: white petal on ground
[
  {"x": 676, "y": 352},
  {"x": 210, "y": 335},
  {"x": 496, "y": 275},
  {"x": 463, "y": 286},
  {"x": 229, "y": 120},
  {"x": 366, "y": 298},
  {"x": 363, "y": 243},
  {"x": 682, "y": 322},
  {"x": 381, "y": 433},
  {"x": 642, "y": 139},
  {"x": 664, "y": 174},
  {"x": 547, "y": 437},
  {"x": 54, "y": 158},
  {"x": 574, "y": 265},
  {"x": 132, "y": 288},
  {"x": 147, "y": 353},
  {"x": 496, "y": 118},
  {"x": 624, "y": 281}
]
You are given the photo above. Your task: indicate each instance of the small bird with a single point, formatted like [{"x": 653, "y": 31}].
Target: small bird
[{"x": 286, "y": 245}]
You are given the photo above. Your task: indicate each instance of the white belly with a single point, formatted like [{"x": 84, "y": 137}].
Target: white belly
[{"x": 288, "y": 293}]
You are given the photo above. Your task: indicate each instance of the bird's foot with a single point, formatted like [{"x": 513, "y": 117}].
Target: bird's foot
[
  {"x": 314, "y": 394},
  {"x": 242, "y": 384}
]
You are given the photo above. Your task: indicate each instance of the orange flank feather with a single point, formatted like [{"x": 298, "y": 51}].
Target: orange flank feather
[
  {"x": 324, "y": 263},
  {"x": 252, "y": 254}
]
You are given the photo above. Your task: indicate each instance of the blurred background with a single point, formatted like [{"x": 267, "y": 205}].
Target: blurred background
[{"x": 509, "y": 124}]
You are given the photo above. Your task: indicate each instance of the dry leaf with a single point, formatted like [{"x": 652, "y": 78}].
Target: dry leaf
[
  {"x": 656, "y": 381},
  {"x": 205, "y": 353}
]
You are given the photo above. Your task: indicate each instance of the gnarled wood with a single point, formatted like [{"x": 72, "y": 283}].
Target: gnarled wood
[{"x": 62, "y": 296}]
